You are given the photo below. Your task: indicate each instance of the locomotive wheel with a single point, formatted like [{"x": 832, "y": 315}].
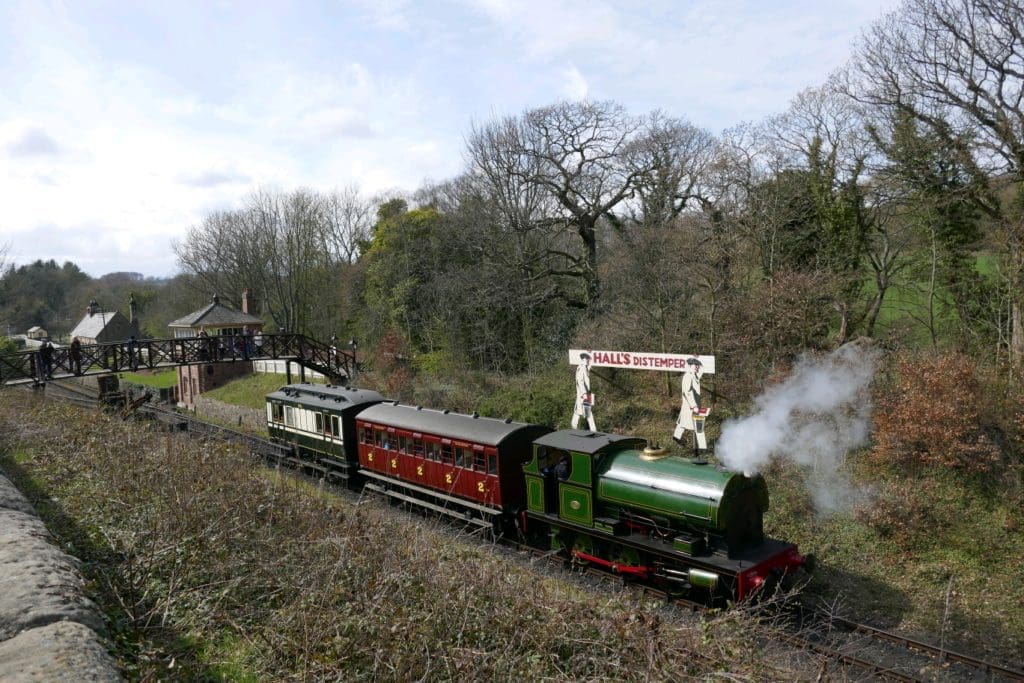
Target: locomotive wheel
[
  {"x": 626, "y": 556},
  {"x": 583, "y": 544}
]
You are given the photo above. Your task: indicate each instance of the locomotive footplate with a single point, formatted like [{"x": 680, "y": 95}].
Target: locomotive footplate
[{"x": 717, "y": 562}]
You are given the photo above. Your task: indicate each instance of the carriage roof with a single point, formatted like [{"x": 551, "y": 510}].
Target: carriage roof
[{"x": 482, "y": 430}]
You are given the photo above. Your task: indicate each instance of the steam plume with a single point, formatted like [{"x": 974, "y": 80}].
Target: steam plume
[{"x": 818, "y": 415}]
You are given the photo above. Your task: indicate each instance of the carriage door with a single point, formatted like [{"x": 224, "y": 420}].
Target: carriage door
[
  {"x": 449, "y": 471},
  {"x": 492, "y": 483}
]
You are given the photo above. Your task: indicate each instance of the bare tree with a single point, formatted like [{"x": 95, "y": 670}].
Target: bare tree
[
  {"x": 273, "y": 245},
  {"x": 577, "y": 153},
  {"x": 349, "y": 220},
  {"x": 957, "y": 66},
  {"x": 671, "y": 157},
  {"x": 821, "y": 143}
]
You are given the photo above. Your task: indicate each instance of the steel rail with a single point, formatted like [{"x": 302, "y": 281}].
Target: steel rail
[{"x": 942, "y": 653}]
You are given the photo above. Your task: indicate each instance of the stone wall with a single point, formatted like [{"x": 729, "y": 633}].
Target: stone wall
[
  {"x": 226, "y": 414},
  {"x": 49, "y": 630}
]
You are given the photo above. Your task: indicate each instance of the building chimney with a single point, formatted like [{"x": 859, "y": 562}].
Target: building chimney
[
  {"x": 131, "y": 307},
  {"x": 93, "y": 308},
  {"x": 246, "y": 301}
]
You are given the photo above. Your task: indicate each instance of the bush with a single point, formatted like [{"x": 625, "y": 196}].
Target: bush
[{"x": 933, "y": 417}]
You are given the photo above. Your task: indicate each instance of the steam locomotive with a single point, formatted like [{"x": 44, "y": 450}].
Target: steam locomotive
[{"x": 602, "y": 499}]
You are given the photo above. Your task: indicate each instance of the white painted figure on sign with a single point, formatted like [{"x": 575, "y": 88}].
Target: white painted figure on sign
[
  {"x": 584, "y": 396},
  {"x": 691, "y": 415}
]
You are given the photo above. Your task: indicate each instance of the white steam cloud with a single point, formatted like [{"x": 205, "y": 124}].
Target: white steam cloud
[{"x": 814, "y": 418}]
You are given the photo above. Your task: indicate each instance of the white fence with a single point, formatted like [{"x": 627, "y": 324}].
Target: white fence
[{"x": 276, "y": 367}]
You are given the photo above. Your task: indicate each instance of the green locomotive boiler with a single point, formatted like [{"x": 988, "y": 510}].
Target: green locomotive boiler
[{"x": 614, "y": 501}]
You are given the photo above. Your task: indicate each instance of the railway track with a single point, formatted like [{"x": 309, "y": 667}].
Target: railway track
[
  {"x": 952, "y": 664},
  {"x": 811, "y": 629}
]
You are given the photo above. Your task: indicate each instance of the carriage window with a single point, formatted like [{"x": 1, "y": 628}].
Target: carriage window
[
  {"x": 335, "y": 425},
  {"x": 403, "y": 444},
  {"x": 492, "y": 463},
  {"x": 463, "y": 458},
  {"x": 277, "y": 411},
  {"x": 447, "y": 454},
  {"x": 364, "y": 436},
  {"x": 479, "y": 461},
  {"x": 328, "y": 426},
  {"x": 417, "y": 447},
  {"x": 289, "y": 416},
  {"x": 319, "y": 421}
]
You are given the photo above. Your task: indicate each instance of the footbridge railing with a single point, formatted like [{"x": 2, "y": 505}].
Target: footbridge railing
[{"x": 39, "y": 365}]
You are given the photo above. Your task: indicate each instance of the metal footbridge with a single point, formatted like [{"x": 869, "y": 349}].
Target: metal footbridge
[{"x": 38, "y": 367}]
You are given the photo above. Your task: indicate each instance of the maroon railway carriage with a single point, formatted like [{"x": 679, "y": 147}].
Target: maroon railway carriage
[{"x": 463, "y": 462}]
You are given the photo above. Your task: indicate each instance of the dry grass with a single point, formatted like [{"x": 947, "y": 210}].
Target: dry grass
[{"x": 211, "y": 567}]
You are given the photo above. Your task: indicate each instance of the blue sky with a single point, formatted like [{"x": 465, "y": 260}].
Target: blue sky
[{"x": 124, "y": 123}]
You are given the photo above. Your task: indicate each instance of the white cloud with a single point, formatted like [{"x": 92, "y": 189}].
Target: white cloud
[
  {"x": 340, "y": 121},
  {"x": 575, "y": 85},
  {"x": 29, "y": 141},
  {"x": 120, "y": 135},
  {"x": 222, "y": 174}
]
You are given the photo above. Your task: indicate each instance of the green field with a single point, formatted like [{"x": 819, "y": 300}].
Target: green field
[
  {"x": 249, "y": 391},
  {"x": 158, "y": 379}
]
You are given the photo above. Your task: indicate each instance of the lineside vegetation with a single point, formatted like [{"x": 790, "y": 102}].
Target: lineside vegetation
[{"x": 208, "y": 566}]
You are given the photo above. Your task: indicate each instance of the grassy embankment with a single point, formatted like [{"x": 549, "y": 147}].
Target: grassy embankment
[
  {"x": 940, "y": 556},
  {"x": 211, "y": 567},
  {"x": 157, "y": 379}
]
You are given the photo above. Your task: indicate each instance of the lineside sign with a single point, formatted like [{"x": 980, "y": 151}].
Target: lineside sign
[{"x": 639, "y": 360}]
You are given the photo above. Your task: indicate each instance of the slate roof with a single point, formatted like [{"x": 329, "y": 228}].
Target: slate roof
[
  {"x": 216, "y": 314},
  {"x": 91, "y": 326}
]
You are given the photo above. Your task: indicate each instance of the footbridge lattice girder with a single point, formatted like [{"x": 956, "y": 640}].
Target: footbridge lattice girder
[{"x": 32, "y": 367}]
